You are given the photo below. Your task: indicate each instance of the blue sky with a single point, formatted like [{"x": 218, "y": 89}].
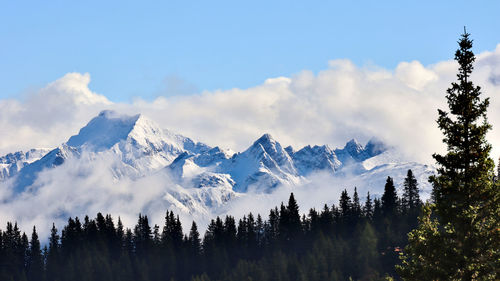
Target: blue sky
[{"x": 145, "y": 49}]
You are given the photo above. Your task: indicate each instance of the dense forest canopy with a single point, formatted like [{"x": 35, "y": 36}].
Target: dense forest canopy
[{"x": 359, "y": 240}]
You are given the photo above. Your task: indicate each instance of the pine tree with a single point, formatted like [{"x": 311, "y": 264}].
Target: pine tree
[
  {"x": 120, "y": 236},
  {"x": 23, "y": 253},
  {"x": 143, "y": 236},
  {"x": 294, "y": 216},
  {"x": 35, "y": 259},
  {"x": 389, "y": 198},
  {"x": 356, "y": 206},
  {"x": 377, "y": 210},
  {"x": 272, "y": 227},
  {"x": 368, "y": 208},
  {"x": 259, "y": 229},
  {"x": 194, "y": 248},
  {"x": 53, "y": 255},
  {"x": 251, "y": 235},
  {"x": 290, "y": 226},
  {"x": 345, "y": 205},
  {"x": 194, "y": 239},
  {"x": 229, "y": 235},
  {"x": 464, "y": 241},
  {"x": 411, "y": 198}
]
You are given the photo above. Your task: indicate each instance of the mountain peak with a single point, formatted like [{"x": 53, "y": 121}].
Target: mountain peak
[
  {"x": 353, "y": 146},
  {"x": 104, "y": 130},
  {"x": 266, "y": 138},
  {"x": 267, "y": 143}
]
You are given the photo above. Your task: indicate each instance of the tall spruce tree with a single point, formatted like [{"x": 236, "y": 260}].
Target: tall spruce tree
[
  {"x": 345, "y": 205},
  {"x": 463, "y": 242},
  {"x": 389, "y": 198},
  {"x": 356, "y": 206},
  {"x": 411, "y": 198},
  {"x": 53, "y": 255},
  {"x": 368, "y": 208},
  {"x": 194, "y": 240},
  {"x": 35, "y": 266},
  {"x": 289, "y": 221}
]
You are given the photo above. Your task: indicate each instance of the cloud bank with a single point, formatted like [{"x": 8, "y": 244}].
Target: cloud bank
[
  {"x": 330, "y": 107},
  {"x": 341, "y": 102}
]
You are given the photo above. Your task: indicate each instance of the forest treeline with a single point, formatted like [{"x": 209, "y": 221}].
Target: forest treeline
[{"x": 358, "y": 240}]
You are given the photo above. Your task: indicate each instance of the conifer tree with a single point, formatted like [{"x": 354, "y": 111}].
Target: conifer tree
[
  {"x": 389, "y": 198},
  {"x": 290, "y": 225},
  {"x": 377, "y": 209},
  {"x": 53, "y": 255},
  {"x": 345, "y": 205},
  {"x": 272, "y": 227},
  {"x": 464, "y": 241},
  {"x": 259, "y": 229},
  {"x": 368, "y": 207},
  {"x": 229, "y": 234},
  {"x": 143, "y": 236},
  {"x": 293, "y": 216},
  {"x": 23, "y": 252},
  {"x": 356, "y": 206},
  {"x": 120, "y": 234},
  {"x": 128, "y": 243},
  {"x": 35, "y": 261},
  {"x": 194, "y": 239},
  {"x": 194, "y": 247},
  {"x": 326, "y": 218},
  {"x": 411, "y": 198}
]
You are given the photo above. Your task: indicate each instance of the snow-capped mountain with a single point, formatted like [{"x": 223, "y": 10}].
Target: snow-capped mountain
[
  {"x": 199, "y": 178},
  {"x": 264, "y": 165},
  {"x": 310, "y": 159},
  {"x": 12, "y": 163},
  {"x": 138, "y": 142}
]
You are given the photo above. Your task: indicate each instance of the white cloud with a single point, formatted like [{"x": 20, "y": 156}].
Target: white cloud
[
  {"x": 415, "y": 75},
  {"x": 338, "y": 103},
  {"x": 330, "y": 107},
  {"x": 47, "y": 118}
]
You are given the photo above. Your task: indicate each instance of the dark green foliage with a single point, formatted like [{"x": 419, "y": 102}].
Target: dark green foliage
[
  {"x": 368, "y": 207},
  {"x": 53, "y": 255},
  {"x": 458, "y": 236},
  {"x": 356, "y": 206},
  {"x": 35, "y": 264},
  {"x": 389, "y": 198},
  {"x": 411, "y": 199},
  {"x": 290, "y": 227}
]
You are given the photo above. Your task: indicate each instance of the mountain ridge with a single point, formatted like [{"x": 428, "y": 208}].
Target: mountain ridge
[{"x": 201, "y": 173}]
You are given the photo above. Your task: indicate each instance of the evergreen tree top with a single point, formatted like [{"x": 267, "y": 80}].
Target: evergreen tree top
[
  {"x": 464, "y": 126},
  {"x": 461, "y": 240}
]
